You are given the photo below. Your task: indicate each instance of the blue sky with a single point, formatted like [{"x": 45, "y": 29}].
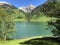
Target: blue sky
[{"x": 20, "y": 3}]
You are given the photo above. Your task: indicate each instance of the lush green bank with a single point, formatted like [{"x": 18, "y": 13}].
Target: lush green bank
[
  {"x": 33, "y": 40},
  {"x": 40, "y": 19},
  {"x": 15, "y": 42}
]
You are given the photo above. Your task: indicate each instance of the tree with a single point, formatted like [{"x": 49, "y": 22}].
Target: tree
[
  {"x": 28, "y": 16},
  {"x": 56, "y": 30},
  {"x": 7, "y": 24}
]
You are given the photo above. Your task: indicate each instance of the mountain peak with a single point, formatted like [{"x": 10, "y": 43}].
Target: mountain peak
[
  {"x": 31, "y": 5},
  {"x": 28, "y": 8}
]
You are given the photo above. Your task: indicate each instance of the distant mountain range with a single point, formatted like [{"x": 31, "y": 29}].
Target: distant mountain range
[
  {"x": 8, "y": 6},
  {"x": 23, "y": 9}
]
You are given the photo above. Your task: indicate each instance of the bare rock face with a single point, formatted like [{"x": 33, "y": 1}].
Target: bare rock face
[{"x": 28, "y": 8}]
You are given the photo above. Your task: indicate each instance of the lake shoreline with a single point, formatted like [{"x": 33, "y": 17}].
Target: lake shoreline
[{"x": 40, "y": 19}]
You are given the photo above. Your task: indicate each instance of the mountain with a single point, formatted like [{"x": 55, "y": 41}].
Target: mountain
[
  {"x": 45, "y": 7},
  {"x": 11, "y": 9},
  {"x": 8, "y": 8},
  {"x": 28, "y": 8}
]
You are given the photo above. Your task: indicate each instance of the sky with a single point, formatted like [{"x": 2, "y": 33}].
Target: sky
[{"x": 20, "y": 3}]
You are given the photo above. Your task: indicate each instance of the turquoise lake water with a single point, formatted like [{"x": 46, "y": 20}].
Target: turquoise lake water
[{"x": 31, "y": 29}]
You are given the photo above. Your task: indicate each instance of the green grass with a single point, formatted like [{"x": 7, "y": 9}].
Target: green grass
[
  {"x": 16, "y": 41},
  {"x": 12, "y": 42}
]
